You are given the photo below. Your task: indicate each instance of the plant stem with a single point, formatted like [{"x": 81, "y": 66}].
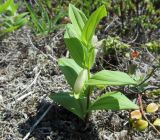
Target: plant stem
[
  {"x": 88, "y": 98},
  {"x": 151, "y": 74},
  {"x": 143, "y": 113}
]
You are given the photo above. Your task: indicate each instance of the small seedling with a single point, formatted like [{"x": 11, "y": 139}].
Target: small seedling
[
  {"x": 10, "y": 19},
  {"x": 79, "y": 41},
  {"x": 42, "y": 20}
]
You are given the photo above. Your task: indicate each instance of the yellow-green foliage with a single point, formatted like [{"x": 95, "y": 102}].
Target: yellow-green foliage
[
  {"x": 10, "y": 20},
  {"x": 153, "y": 46},
  {"x": 114, "y": 42},
  {"x": 43, "y": 17}
]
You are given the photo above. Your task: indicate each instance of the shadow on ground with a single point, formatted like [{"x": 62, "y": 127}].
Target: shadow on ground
[{"x": 58, "y": 124}]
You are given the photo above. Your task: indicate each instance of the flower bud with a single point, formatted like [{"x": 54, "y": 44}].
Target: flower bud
[{"x": 79, "y": 83}]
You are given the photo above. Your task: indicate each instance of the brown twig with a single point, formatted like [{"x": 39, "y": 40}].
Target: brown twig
[{"x": 143, "y": 113}]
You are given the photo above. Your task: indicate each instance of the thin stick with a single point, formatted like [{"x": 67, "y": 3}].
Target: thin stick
[
  {"x": 37, "y": 122},
  {"x": 33, "y": 82},
  {"x": 22, "y": 97},
  {"x": 142, "y": 111},
  {"x": 39, "y": 51},
  {"x": 152, "y": 72}
]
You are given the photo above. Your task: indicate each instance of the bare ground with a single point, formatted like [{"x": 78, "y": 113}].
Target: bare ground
[{"x": 28, "y": 74}]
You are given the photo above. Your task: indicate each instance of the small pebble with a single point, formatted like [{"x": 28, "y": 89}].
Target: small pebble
[{"x": 1, "y": 99}]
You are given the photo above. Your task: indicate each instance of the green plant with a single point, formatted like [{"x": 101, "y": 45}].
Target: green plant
[
  {"x": 42, "y": 18},
  {"x": 135, "y": 16},
  {"x": 10, "y": 19},
  {"x": 152, "y": 46},
  {"x": 87, "y": 6},
  {"x": 79, "y": 41},
  {"x": 112, "y": 43}
]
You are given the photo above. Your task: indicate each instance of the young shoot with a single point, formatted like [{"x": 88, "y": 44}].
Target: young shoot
[{"x": 79, "y": 41}]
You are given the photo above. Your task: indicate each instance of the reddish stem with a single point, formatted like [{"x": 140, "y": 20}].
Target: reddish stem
[{"x": 143, "y": 113}]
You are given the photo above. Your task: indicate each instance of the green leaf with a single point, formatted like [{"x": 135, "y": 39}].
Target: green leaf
[
  {"x": 49, "y": 3},
  {"x": 114, "y": 101},
  {"x": 91, "y": 56},
  {"x": 78, "y": 18},
  {"x": 21, "y": 19},
  {"x": 11, "y": 23},
  {"x": 4, "y": 6},
  {"x": 41, "y": 23},
  {"x": 75, "y": 47},
  {"x": 70, "y": 31},
  {"x": 8, "y": 29},
  {"x": 110, "y": 78},
  {"x": 34, "y": 17},
  {"x": 70, "y": 70},
  {"x": 76, "y": 106},
  {"x": 13, "y": 7},
  {"x": 91, "y": 24}
]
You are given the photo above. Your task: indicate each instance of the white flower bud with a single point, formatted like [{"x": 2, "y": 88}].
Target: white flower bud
[{"x": 79, "y": 83}]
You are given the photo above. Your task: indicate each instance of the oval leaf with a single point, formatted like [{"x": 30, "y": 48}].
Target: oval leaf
[
  {"x": 70, "y": 70},
  {"x": 76, "y": 106},
  {"x": 91, "y": 24},
  {"x": 107, "y": 77},
  {"x": 114, "y": 101},
  {"x": 75, "y": 47},
  {"x": 77, "y": 17}
]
